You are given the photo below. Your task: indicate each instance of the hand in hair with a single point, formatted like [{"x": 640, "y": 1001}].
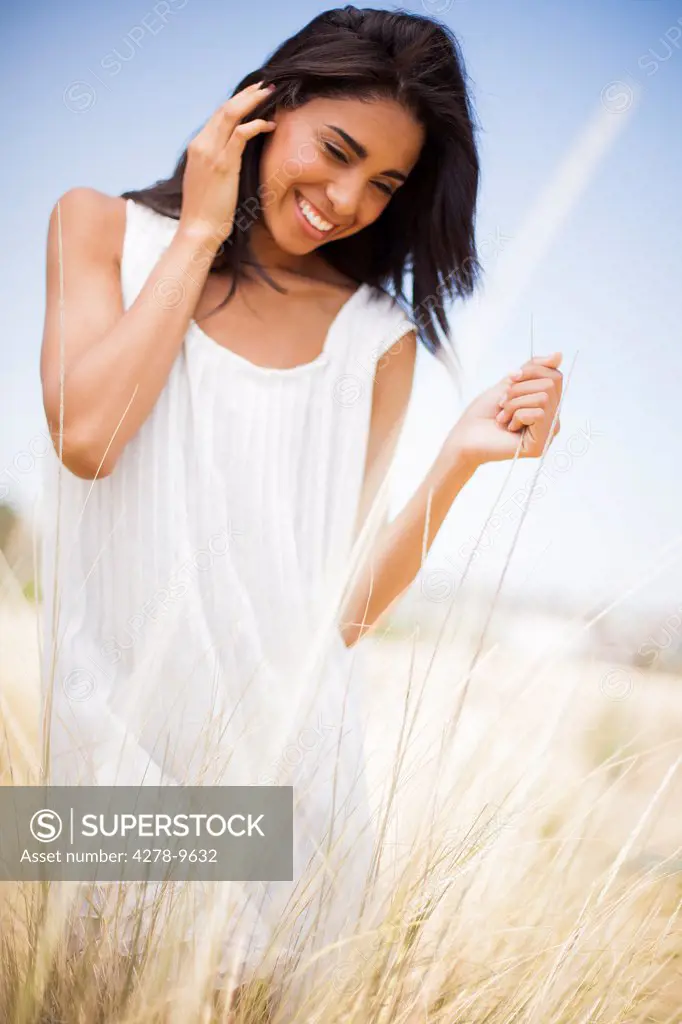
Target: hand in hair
[{"x": 211, "y": 178}]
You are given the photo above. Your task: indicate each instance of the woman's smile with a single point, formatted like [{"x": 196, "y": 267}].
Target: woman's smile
[{"x": 311, "y": 218}]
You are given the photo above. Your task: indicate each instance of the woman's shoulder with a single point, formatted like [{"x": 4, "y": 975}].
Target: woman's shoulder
[
  {"x": 95, "y": 217},
  {"x": 94, "y": 206}
]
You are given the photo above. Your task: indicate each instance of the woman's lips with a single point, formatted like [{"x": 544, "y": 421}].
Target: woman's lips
[{"x": 310, "y": 228}]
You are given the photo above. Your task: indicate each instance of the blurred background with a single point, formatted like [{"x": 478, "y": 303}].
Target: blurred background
[{"x": 579, "y": 228}]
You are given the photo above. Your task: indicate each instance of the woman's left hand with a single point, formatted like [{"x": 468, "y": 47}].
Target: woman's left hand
[{"x": 491, "y": 428}]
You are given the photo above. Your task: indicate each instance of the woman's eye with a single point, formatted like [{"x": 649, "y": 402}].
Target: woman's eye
[
  {"x": 335, "y": 152},
  {"x": 339, "y": 155}
]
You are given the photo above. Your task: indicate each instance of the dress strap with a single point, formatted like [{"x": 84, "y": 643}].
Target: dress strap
[
  {"x": 147, "y": 235},
  {"x": 384, "y": 324}
]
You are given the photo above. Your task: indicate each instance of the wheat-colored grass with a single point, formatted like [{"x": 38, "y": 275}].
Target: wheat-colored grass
[{"x": 532, "y": 864}]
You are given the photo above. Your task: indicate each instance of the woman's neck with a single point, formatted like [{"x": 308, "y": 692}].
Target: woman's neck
[{"x": 273, "y": 258}]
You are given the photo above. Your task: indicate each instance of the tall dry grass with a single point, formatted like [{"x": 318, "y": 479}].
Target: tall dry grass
[{"x": 530, "y": 865}]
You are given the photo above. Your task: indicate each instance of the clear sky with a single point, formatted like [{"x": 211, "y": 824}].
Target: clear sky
[{"x": 579, "y": 226}]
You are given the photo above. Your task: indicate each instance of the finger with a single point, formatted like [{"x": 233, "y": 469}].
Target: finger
[
  {"x": 534, "y": 371},
  {"x": 228, "y": 115},
  {"x": 526, "y": 418},
  {"x": 245, "y": 99},
  {"x": 538, "y": 400},
  {"x": 554, "y": 360},
  {"x": 527, "y": 387},
  {"x": 243, "y": 132}
]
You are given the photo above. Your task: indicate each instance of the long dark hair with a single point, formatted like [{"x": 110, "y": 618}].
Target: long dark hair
[{"x": 427, "y": 228}]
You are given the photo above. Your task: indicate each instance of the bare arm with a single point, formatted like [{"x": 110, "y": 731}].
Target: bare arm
[
  {"x": 516, "y": 417},
  {"x": 400, "y": 546},
  {"x": 114, "y": 363},
  {"x": 103, "y": 368}
]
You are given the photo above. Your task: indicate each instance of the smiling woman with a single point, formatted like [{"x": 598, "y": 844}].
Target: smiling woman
[
  {"x": 272, "y": 432},
  {"x": 348, "y": 185},
  {"x": 374, "y": 130}
]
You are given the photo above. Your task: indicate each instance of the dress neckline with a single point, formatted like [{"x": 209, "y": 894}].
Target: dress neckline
[
  {"x": 222, "y": 351},
  {"x": 319, "y": 360}
]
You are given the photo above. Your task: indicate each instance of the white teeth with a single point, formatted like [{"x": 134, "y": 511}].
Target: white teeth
[{"x": 310, "y": 215}]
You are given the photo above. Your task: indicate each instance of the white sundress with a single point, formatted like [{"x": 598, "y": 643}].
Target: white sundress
[{"x": 190, "y": 636}]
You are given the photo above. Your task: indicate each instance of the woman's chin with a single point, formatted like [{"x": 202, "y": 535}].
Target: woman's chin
[{"x": 293, "y": 243}]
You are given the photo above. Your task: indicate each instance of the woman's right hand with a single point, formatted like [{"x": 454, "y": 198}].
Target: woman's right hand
[{"x": 211, "y": 180}]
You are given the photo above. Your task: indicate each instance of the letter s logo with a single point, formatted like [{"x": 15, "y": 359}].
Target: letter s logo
[{"x": 46, "y": 825}]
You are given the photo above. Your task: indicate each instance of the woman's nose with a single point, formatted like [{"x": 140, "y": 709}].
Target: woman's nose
[{"x": 344, "y": 199}]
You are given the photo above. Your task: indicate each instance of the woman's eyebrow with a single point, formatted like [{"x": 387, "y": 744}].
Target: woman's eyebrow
[{"x": 362, "y": 152}]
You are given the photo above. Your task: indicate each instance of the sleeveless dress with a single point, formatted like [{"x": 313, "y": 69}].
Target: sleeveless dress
[{"x": 190, "y": 598}]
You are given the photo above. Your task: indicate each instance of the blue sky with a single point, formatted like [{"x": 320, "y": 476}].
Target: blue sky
[{"x": 579, "y": 223}]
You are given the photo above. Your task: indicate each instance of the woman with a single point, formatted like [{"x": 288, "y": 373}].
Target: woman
[{"x": 225, "y": 378}]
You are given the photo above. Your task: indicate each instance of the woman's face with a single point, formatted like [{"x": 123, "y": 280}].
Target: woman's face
[{"x": 340, "y": 160}]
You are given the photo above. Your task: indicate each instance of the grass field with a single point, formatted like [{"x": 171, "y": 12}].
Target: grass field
[{"x": 531, "y": 838}]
